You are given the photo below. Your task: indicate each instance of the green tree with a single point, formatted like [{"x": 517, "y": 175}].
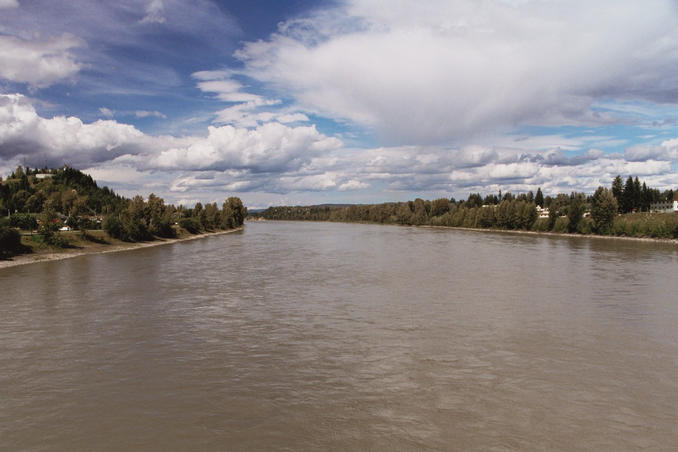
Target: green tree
[
  {"x": 618, "y": 190},
  {"x": 575, "y": 213},
  {"x": 404, "y": 213},
  {"x": 439, "y": 207},
  {"x": 603, "y": 210},
  {"x": 233, "y": 213},
  {"x": 637, "y": 195},
  {"x": 49, "y": 224},
  {"x": 10, "y": 241},
  {"x": 420, "y": 213},
  {"x": 628, "y": 196},
  {"x": 539, "y": 198},
  {"x": 474, "y": 200}
]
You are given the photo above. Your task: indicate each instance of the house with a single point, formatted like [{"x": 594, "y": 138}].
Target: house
[
  {"x": 665, "y": 207},
  {"x": 542, "y": 212}
]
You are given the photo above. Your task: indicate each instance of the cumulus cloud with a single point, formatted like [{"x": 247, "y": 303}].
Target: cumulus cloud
[
  {"x": 38, "y": 63},
  {"x": 61, "y": 139},
  {"x": 270, "y": 147},
  {"x": 441, "y": 71},
  {"x": 274, "y": 159},
  {"x": 668, "y": 150}
]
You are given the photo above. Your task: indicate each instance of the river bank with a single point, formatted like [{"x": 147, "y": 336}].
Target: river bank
[
  {"x": 111, "y": 246},
  {"x": 558, "y": 234},
  {"x": 502, "y": 231}
]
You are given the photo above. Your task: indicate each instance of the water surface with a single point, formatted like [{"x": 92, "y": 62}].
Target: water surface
[{"x": 319, "y": 336}]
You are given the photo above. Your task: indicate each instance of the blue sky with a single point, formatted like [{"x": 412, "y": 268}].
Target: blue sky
[{"x": 299, "y": 102}]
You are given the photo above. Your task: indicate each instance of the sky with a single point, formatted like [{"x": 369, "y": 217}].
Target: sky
[{"x": 345, "y": 101}]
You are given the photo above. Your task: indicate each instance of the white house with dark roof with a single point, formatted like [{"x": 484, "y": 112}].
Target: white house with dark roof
[{"x": 665, "y": 207}]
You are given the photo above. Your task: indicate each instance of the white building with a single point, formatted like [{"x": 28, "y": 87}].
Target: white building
[{"x": 665, "y": 207}]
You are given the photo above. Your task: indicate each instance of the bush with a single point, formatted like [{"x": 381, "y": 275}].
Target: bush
[
  {"x": 190, "y": 224},
  {"x": 561, "y": 224},
  {"x": 586, "y": 226},
  {"x": 646, "y": 225},
  {"x": 23, "y": 221},
  {"x": 541, "y": 225},
  {"x": 163, "y": 228},
  {"x": 10, "y": 241},
  {"x": 113, "y": 227}
]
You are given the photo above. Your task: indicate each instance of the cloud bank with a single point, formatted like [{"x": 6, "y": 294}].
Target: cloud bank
[
  {"x": 38, "y": 63},
  {"x": 442, "y": 71},
  {"x": 276, "y": 158},
  {"x": 347, "y": 102}
]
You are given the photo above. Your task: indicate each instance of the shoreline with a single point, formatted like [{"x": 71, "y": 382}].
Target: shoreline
[
  {"x": 558, "y": 234},
  {"x": 502, "y": 231},
  {"x": 25, "y": 259}
]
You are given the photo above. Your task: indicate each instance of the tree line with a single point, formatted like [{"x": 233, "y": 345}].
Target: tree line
[
  {"x": 599, "y": 213},
  {"x": 44, "y": 200}
]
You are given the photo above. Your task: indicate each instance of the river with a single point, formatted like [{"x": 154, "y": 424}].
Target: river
[{"x": 321, "y": 336}]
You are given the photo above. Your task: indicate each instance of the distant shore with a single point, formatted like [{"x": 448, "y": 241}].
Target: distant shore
[
  {"x": 503, "y": 231},
  {"x": 55, "y": 255},
  {"x": 556, "y": 234}
]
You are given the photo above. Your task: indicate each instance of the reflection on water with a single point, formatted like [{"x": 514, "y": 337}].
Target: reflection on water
[{"x": 302, "y": 336}]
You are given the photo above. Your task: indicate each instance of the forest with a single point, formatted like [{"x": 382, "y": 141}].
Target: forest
[
  {"x": 621, "y": 210},
  {"x": 45, "y": 202}
]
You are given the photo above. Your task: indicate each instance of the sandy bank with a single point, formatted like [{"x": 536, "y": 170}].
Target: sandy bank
[{"x": 24, "y": 259}]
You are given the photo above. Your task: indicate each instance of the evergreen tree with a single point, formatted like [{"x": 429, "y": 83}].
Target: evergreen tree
[
  {"x": 637, "y": 195},
  {"x": 539, "y": 198},
  {"x": 575, "y": 212},
  {"x": 618, "y": 190},
  {"x": 628, "y": 196}
]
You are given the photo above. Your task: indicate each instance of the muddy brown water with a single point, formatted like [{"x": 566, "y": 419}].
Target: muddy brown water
[{"x": 319, "y": 336}]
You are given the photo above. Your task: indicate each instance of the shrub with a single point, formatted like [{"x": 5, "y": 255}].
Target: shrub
[
  {"x": 10, "y": 240},
  {"x": 163, "y": 228},
  {"x": 23, "y": 221},
  {"x": 113, "y": 226},
  {"x": 541, "y": 225},
  {"x": 190, "y": 224},
  {"x": 585, "y": 226},
  {"x": 561, "y": 224}
]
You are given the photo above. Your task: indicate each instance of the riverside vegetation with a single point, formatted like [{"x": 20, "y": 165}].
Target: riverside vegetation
[
  {"x": 41, "y": 202},
  {"x": 621, "y": 210}
]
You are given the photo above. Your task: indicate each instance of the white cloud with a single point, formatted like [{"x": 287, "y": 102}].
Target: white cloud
[
  {"x": 61, "y": 139},
  {"x": 269, "y": 147},
  {"x": 6, "y": 4},
  {"x": 39, "y": 63},
  {"x": 107, "y": 112},
  {"x": 275, "y": 159},
  {"x": 353, "y": 184},
  {"x": 442, "y": 71},
  {"x": 145, "y": 114},
  {"x": 154, "y": 13},
  {"x": 250, "y": 110}
]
